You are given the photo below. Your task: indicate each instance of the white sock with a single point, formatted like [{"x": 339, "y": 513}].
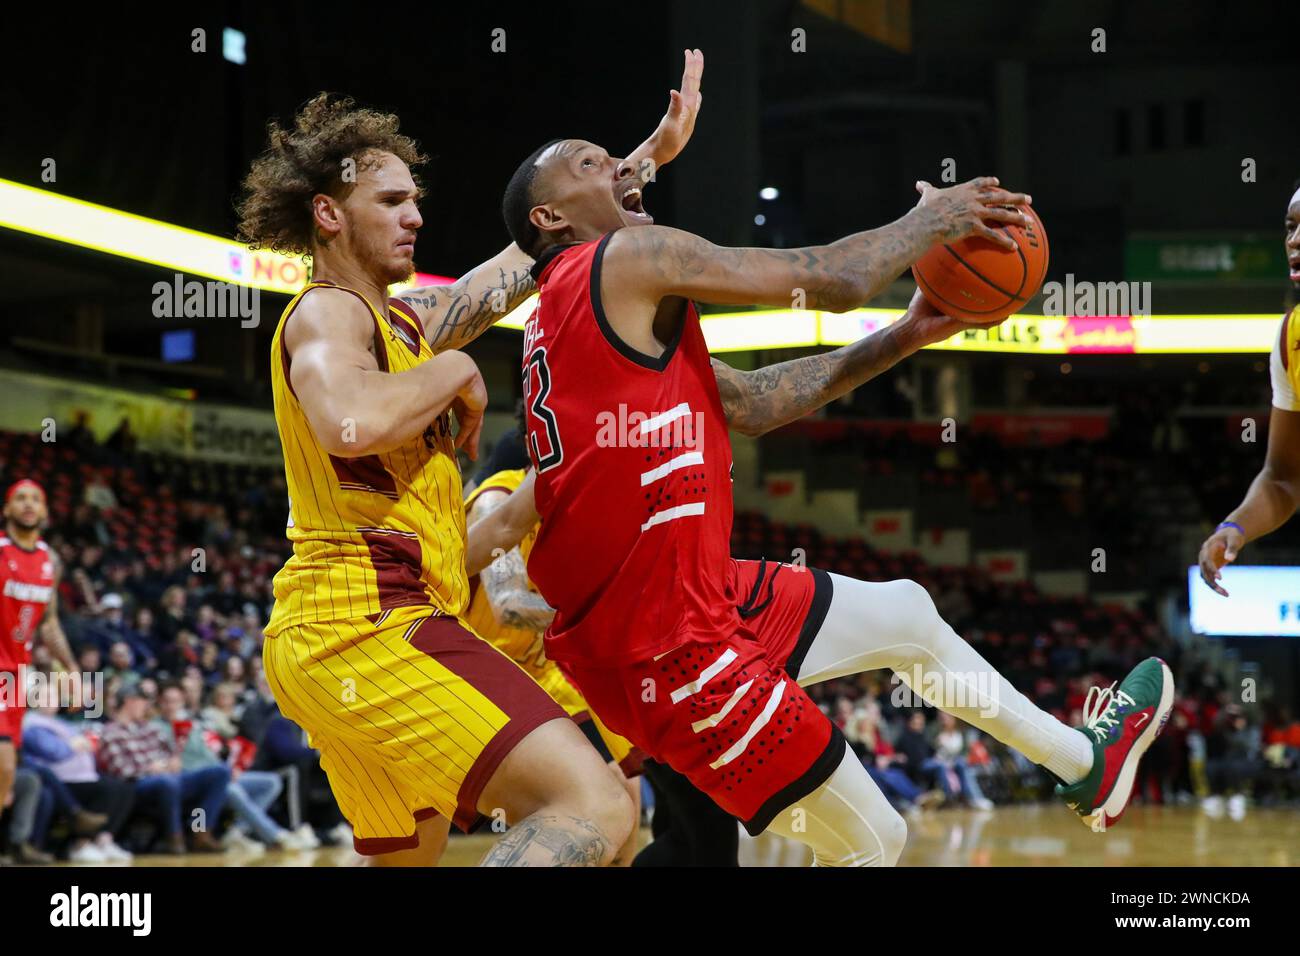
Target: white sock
[{"x": 1072, "y": 760}]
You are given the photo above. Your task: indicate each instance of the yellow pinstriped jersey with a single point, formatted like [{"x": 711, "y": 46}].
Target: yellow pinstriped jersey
[
  {"x": 522, "y": 645},
  {"x": 374, "y": 532}
]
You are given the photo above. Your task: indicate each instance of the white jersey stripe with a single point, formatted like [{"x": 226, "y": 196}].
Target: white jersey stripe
[
  {"x": 738, "y": 748},
  {"x": 681, "y": 461},
  {"x": 721, "y": 715},
  {"x": 710, "y": 672},
  {"x": 672, "y": 514},
  {"x": 665, "y": 418}
]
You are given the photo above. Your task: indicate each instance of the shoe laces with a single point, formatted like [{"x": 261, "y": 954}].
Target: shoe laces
[{"x": 1101, "y": 711}]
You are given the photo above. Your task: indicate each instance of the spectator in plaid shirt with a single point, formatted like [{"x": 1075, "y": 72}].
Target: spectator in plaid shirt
[{"x": 132, "y": 748}]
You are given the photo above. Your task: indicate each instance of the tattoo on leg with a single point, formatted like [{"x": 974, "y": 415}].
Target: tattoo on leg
[{"x": 549, "y": 841}]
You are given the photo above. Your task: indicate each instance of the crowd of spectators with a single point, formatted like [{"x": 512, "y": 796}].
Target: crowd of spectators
[
  {"x": 166, "y": 582},
  {"x": 178, "y": 745}
]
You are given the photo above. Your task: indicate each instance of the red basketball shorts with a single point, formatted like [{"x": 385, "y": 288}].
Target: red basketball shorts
[{"x": 726, "y": 711}]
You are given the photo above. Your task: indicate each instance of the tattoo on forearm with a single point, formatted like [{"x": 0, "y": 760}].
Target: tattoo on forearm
[
  {"x": 836, "y": 277},
  {"x": 506, "y": 582},
  {"x": 549, "y": 841},
  {"x": 459, "y": 313},
  {"x": 759, "y": 401}
]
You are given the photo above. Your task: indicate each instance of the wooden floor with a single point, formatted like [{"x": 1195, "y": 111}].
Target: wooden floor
[{"x": 1046, "y": 835}]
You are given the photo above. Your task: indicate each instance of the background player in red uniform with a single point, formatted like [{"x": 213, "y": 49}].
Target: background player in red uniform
[
  {"x": 29, "y": 582},
  {"x": 697, "y": 658}
]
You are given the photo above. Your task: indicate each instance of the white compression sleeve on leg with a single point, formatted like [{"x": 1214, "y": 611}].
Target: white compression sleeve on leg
[
  {"x": 895, "y": 625},
  {"x": 846, "y": 821}
]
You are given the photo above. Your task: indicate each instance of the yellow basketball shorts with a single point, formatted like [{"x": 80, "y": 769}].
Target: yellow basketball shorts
[{"x": 411, "y": 711}]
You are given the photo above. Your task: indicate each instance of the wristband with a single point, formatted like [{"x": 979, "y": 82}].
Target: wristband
[{"x": 1231, "y": 524}]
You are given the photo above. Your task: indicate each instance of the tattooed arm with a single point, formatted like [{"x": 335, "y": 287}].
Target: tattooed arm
[
  {"x": 649, "y": 263},
  {"x": 757, "y": 402},
  {"x": 514, "y": 604},
  {"x": 454, "y": 315}
]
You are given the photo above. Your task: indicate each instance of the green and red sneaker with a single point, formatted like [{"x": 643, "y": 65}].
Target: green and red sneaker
[{"x": 1121, "y": 724}]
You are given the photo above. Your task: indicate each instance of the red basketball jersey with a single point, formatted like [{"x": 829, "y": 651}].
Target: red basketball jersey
[
  {"x": 633, "y": 475},
  {"x": 26, "y": 588}
]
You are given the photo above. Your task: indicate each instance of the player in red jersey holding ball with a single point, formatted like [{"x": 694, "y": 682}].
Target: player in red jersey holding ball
[
  {"x": 29, "y": 579},
  {"x": 697, "y": 658}
]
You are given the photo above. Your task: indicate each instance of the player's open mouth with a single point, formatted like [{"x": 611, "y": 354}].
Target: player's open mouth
[
  {"x": 631, "y": 203},
  {"x": 1295, "y": 269}
]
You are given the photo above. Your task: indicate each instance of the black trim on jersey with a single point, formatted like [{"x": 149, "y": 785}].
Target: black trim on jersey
[
  {"x": 823, "y": 591},
  {"x": 545, "y": 259},
  {"x": 812, "y": 778},
  {"x": 751, "y": 605},
  {"x": 632, "y": 355}
]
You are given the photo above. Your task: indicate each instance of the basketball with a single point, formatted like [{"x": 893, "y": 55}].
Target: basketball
[{"x": 976, "y": 281}]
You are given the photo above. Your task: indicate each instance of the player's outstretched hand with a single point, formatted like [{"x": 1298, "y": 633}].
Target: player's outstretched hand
[
  {"x": 1219, "y": 549},
  {"x": 674, "y": 130},
  {"x": 967, "y": 208},
  {"x": 469, "y": 406}
]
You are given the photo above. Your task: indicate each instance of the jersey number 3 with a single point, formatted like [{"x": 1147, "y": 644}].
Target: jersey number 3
[{"x": 545, "y": 450}]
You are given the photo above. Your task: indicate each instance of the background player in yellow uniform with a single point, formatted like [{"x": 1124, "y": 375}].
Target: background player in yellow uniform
[
  {"x": 415, "y": 715},
  {"x": 1274, "y": 495},
  {"x": 507, "y": 611}
]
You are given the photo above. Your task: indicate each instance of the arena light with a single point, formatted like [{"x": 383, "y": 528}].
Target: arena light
[
  {"x": 92, "y": 226},
  {"x": 1030, "y": 334},
  {"x": 53, "y": 216},
  {"x": 234, "y": 46}
]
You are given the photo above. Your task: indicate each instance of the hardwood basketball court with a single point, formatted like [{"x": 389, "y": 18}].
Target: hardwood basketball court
[{"x": 1025, "y": 835}]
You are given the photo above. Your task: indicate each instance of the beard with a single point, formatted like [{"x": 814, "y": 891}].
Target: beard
[
  {"x": 25, "y": 525},
  {"x": 381, "y": 262}
]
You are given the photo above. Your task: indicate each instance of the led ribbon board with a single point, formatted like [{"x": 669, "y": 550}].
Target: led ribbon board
[
  {"x": 175, "y": 248},
  {"x": 43, "y": 213}
]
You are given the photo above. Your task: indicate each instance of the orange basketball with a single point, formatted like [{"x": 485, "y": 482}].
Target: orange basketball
[{"x": 978, "y": 282}]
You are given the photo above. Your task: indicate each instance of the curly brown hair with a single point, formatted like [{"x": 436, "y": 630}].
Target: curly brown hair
[{"x": 306, "y": 159}]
